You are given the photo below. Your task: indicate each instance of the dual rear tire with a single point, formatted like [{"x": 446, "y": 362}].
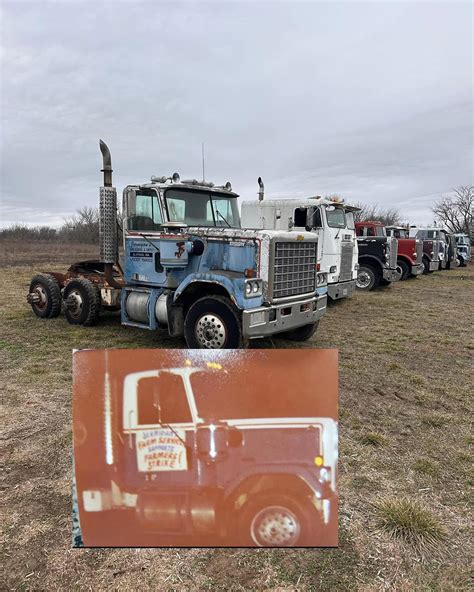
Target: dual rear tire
[{"x": 81, "y": 299}]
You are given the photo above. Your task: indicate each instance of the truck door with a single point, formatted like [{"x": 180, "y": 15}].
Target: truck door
[
  {"x": 143, "y": 215},
  {"x": 160, "y": 433}
]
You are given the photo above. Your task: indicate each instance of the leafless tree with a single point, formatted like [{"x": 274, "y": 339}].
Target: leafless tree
[
  {"x": 388, "y": 216},
  {"x": 82, "y": 227},
  {"x": 456, "y": 212}
]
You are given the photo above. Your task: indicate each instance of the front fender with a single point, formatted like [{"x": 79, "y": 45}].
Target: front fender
[
  {"x": 269, "y": 469},
  {"x": 233, "y": 284}
]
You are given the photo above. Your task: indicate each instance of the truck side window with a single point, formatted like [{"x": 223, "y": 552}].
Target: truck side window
[
  {"x": 144, "y": 212},
  {"x": 299, "y": 217},
  {"x": 162, "y": 400}
]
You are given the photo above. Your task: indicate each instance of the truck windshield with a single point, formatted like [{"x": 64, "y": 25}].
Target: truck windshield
[
  {"x": 201, "y": 208},
  {"x": 336, "y": 218},
  {"x": 219, "y": 396}
]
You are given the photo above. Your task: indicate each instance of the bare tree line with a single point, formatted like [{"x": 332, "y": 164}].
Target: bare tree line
[{"x": 454, "y": 212}]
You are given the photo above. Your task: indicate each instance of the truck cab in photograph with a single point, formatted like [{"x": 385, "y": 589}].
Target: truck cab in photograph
[
  {"x": 410, "y": 252},
  {"x": 190, "y": 268},
  {"x": 378, "y": 256},
  {"x": 463, "y": 248},
  {"x": 183, "y": 459},
  {"x": 331, "y": 220},
  {"x": 436, "y": 246}
]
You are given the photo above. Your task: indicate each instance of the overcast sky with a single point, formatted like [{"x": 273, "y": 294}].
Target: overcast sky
[{"x": 372, "y": 101}]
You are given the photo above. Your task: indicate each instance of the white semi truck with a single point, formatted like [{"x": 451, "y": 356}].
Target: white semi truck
[{"x": 330, "y": 219}]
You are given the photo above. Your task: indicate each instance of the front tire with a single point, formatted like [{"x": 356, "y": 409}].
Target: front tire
[
  {"x": 82, "y": 299},
  {"x": 212, "y": 323},
  {"x": 367, "y": 278},
  {"x": 276, "y": 520},
  {"x": 47, "y": 293},
  {"x": 301, "y": 333},
  {"x": 403, "y": 269}
]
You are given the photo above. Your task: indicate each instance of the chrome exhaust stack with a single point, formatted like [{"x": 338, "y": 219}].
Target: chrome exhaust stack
[
  {"x": 261, "y": 190},
  {"x": 108, "y": 239}
]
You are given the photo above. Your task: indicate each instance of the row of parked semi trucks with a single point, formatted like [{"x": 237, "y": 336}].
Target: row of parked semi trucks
[{"x": 193, "y": 265}]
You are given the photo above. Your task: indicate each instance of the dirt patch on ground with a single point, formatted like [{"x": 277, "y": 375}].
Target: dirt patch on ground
[{"x": 406, "y": 363}]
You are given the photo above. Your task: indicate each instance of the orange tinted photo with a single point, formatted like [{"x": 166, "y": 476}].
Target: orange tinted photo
[{"x": 205, "y": 448}]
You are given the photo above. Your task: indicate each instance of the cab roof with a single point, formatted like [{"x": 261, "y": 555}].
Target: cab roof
[{"x": 162, "y": 184}]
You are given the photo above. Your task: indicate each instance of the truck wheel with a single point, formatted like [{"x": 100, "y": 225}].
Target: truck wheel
[
  {"x": 212, "y": 323},
  {"x": 276, "y": 520},
  {"x": 45, "y": 296},
  {"x": 301, "y": 333},
  {"x": 367, "y": 278},
  {"x": 403, "y": 269},
  {"x": 82, "y": 299}
]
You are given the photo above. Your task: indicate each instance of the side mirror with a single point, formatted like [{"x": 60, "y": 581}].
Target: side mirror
[{"x": 212, "y": 440}]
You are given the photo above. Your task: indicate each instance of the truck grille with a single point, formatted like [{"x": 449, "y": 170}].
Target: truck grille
[
  {"x": 435, "y": 249},
  {"x": 419, "y": 251},
  {"x": 294, "y": 269},
  {"x": 347, "y": 252},
  {"x": 393, "y": 252}
]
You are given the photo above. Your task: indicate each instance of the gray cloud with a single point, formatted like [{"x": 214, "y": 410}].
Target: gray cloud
[{"x": 369, "y": 100}]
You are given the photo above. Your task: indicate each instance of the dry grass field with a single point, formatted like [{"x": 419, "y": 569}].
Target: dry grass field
[{"x": 405, "y": 482}]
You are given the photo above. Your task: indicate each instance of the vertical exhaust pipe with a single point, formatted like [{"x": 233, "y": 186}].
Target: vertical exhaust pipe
[
  {"x": 261, "y": 189},
  {"x": 108, "y": 240}
]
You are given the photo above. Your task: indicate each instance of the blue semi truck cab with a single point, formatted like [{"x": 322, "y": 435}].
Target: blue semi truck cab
[
  {"x": 189, "y": 267},
  {"x": 182, "y": 456}
]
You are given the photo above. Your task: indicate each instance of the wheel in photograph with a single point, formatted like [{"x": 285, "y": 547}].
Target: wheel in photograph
[{"x": 277, "y": 520}]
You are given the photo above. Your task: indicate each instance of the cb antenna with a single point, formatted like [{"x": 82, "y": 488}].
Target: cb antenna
[{"x": 203, "y": 171}]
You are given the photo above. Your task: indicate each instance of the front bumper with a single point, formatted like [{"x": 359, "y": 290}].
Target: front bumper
[
  {"x": 417, "y": 269},
  {"x": 390, "y": 275},
  {"x": 341, "y": 289},
  {"x": 256, "y": 322}
]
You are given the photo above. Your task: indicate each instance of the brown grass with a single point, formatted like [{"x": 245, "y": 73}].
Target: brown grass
[{"x": 406, "y": 360}]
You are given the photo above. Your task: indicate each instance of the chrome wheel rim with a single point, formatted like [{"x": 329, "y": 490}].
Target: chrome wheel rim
[
  {"x": 275, "y": 526},
  {"x": 363, "y": 280},
  {"x": 211, "y": 332}
]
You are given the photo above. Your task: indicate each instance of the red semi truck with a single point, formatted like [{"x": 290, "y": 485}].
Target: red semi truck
[{"x": 410, "y": 250}]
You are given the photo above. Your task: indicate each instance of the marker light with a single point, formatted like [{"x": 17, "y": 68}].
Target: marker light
[
  {"x": 175, "y": 178},
  {"x": 228, "y": 186},
  {"x": 318, "y": 461}
]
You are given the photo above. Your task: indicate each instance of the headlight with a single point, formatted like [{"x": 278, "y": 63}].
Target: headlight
[
  {"x": 321, "y": 279},
  {"x": 253, "y": 288},
  {"x": 333, "y": 269}
]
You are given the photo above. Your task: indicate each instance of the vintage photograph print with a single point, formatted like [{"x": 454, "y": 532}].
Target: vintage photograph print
[{"x": 206, "y": 448}]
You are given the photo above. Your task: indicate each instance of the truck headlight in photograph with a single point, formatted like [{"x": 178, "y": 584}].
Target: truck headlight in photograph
[
  {"x": 321, "y": 279},
  {"x": 253, "y": 288},
  {"x": 333, "y": 269}
]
